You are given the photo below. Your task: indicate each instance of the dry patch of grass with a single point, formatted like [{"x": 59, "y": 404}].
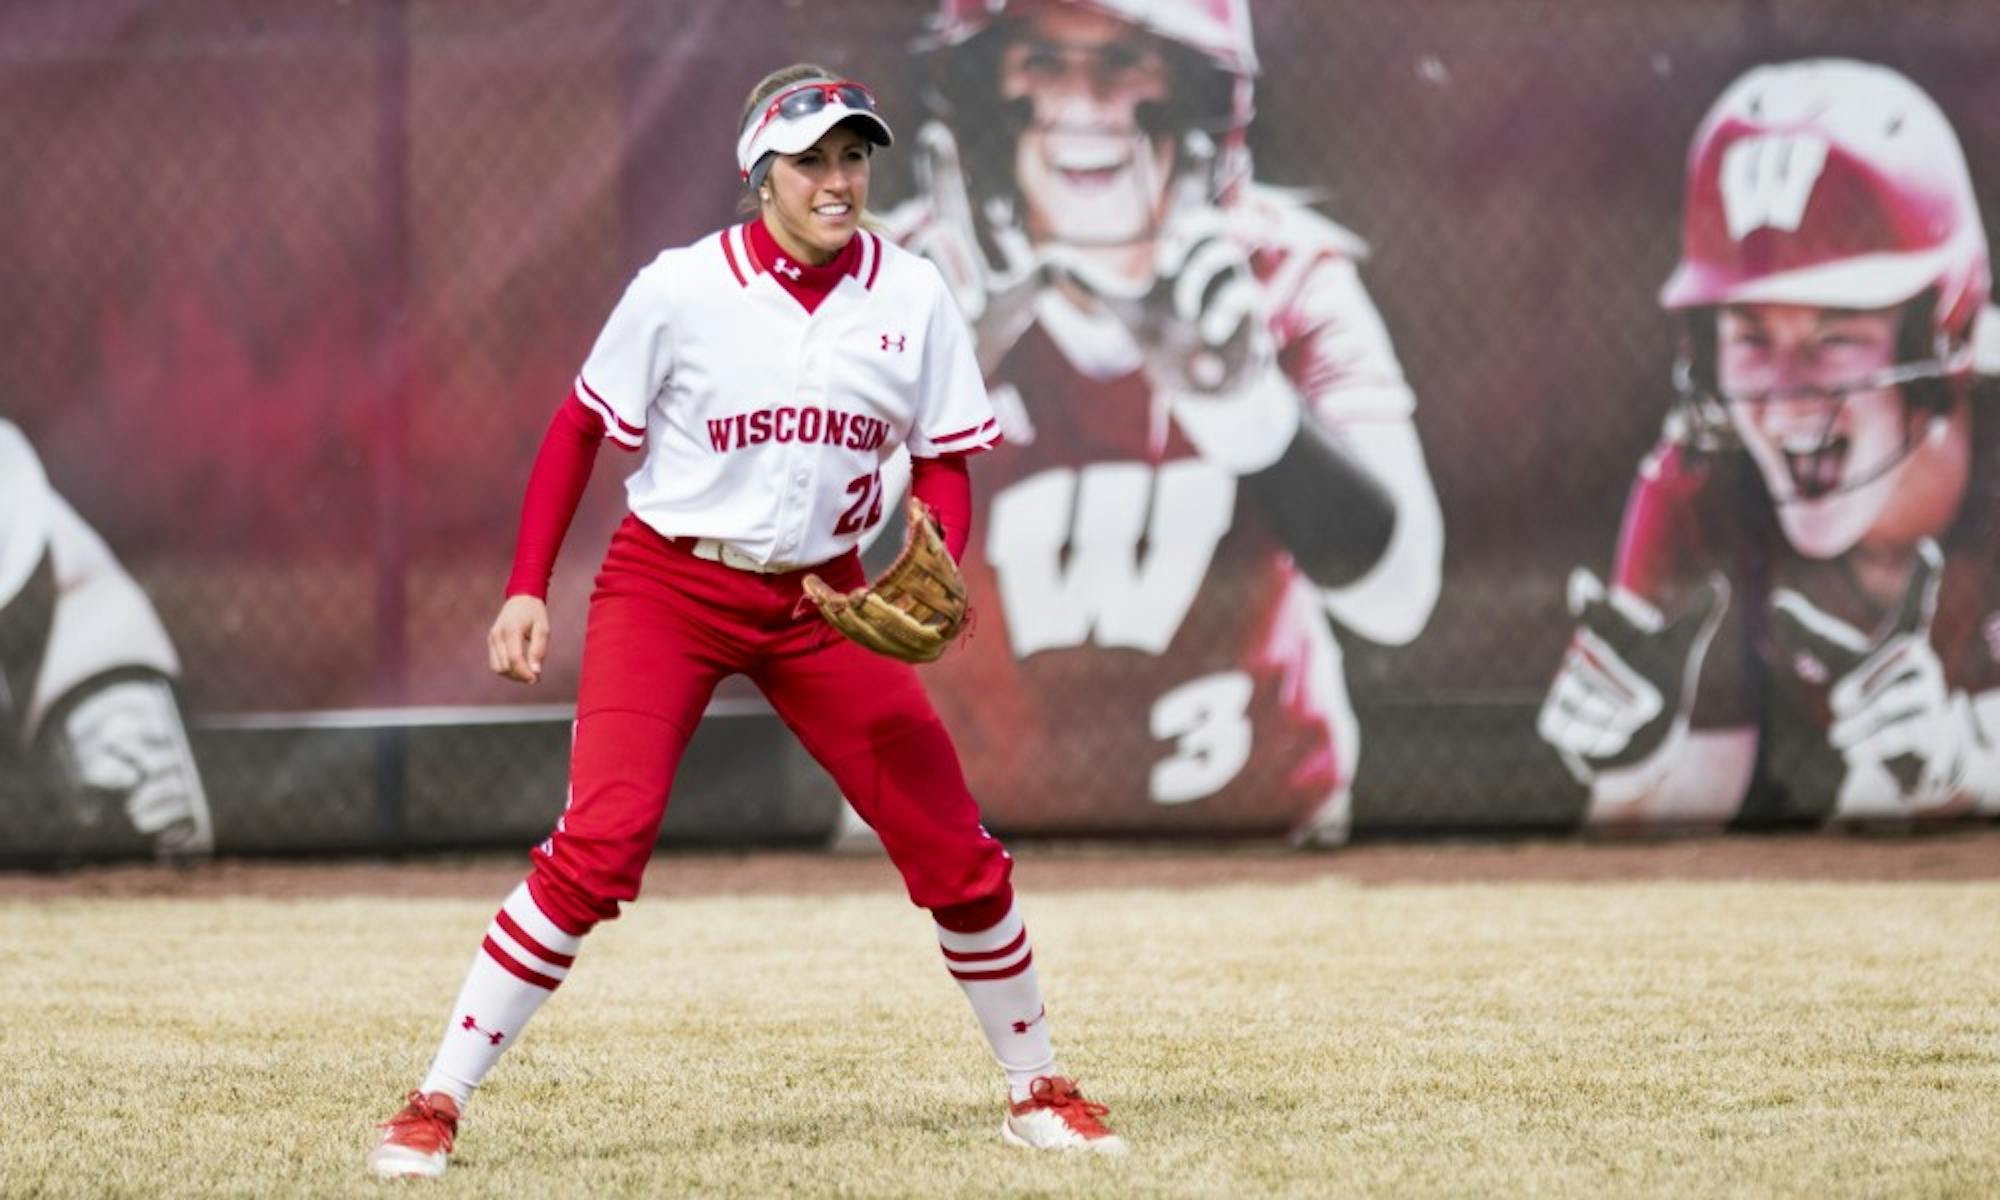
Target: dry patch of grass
[{"x": 1317, "y": 1039}]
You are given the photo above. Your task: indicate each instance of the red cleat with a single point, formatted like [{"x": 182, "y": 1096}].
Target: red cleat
[
  {"x": 417, "y": 1140},
  {"x": 1055, "y": 1116}
]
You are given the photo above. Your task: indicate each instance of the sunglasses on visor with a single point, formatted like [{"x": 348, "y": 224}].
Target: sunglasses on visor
[{"x": 808, "y": 98}]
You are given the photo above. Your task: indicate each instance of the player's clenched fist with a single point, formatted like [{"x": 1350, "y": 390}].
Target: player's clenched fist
[
  {"x": 1208, "y": 347},
  {"x": 519, "y": 639},
  {"x": 1627, "y": 681}
]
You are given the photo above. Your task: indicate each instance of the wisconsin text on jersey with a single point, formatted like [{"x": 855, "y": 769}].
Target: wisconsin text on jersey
[{"x": 805, "y": 423}]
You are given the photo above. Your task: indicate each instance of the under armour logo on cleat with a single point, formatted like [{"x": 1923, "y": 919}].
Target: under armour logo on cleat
[
  {"x": 1023, "y": 1026},
  {"x": 787, "y": 269},
  {"x": 472, "y": 1023},
  {"x": 895, "y": 343}
]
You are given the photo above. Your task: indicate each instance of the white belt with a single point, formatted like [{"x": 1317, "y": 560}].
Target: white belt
[{"x": 730, "y": 556}]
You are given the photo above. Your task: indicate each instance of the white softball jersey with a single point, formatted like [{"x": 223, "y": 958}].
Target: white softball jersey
[{"x": 765, "y": 426}]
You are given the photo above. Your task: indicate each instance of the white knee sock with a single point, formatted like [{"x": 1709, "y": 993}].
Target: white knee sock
[
  {"x": 518, "y": 966},
  {"x": 996, "y": 969}
]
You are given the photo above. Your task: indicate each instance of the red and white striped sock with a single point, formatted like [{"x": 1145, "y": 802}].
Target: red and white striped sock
[
  {"x": 518, "y": 966},
  {"x": 996, "y": 969}
]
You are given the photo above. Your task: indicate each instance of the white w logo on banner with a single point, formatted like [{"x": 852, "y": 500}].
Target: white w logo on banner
[
  {"x": 1102, "y": 590},
  {"x": 1766, "y": 181}
]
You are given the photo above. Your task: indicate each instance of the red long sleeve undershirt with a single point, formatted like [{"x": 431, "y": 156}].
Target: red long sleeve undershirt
[
  {"x": 944, "y": 485},
  {"x": 569, "y": 451},
  {"x": 555, "y": 488}
]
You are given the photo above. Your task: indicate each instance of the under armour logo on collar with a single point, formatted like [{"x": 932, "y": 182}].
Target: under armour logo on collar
[
  {"x": 893, "y": 343},
  {"x": 787, "y": 269}
]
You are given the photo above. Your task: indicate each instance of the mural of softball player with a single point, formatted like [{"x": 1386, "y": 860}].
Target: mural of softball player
[
  {"x": 89, "y": 721},
  {"x": 1806, "y": 576},
  {"x": 1209, "y": 459},
  {"x": 762, "y": 374}
]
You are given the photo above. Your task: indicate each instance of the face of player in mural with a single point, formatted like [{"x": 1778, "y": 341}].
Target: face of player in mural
[
  {"x": 1832, "y": 450},
  {"x": 1087, "y": 171},
  {"x": 816, "y": 195}
]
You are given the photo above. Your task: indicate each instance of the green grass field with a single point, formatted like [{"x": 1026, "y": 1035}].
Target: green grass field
[{"x": 1312, "y": 1039}]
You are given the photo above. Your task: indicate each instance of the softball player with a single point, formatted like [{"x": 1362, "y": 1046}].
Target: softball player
[
  {"x": 763, "y": 374},
  {"x": 1212, "y": 481},
  {"x": 1802, "y": 621}
]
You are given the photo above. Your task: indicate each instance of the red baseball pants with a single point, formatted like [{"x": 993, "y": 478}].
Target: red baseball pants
[{"x": 665, "y": 627}]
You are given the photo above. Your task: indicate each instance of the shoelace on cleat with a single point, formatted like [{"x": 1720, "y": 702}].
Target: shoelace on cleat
[
  {"x": 1061, "y": 1096},
  {"x": 420, "y": 1123}
]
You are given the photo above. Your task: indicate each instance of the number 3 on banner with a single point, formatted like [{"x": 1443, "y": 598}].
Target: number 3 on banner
[
  {"x": 867, "y": 506},
  {"x": 1208, "y": 720}
]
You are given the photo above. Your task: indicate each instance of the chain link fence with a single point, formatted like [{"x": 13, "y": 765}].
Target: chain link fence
[{"x": 295, "y": 287}]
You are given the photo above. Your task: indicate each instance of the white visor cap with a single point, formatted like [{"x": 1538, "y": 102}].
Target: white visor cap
[{"x": 780, "y": 134}]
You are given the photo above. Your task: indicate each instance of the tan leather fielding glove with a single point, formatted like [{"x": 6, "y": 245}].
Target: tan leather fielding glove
[{"x": 913, "y": 610}]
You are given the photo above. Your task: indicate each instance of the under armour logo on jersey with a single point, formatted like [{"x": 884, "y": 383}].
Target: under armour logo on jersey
[
  {"x": 787, "y": 268},
  {"x": 1024, "y": 1026},
  {"x": 1767, "y": 180},
  {"x": 893, "y": 343},
  {"x": 471, "y": 1023}
]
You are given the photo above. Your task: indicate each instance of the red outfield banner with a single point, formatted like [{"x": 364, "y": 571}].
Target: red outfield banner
[{"x": 1413, "y": 420}]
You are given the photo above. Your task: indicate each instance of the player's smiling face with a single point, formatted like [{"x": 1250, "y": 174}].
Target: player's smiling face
[
  {"x": 1086, "y": 169},
  {"x": 1831, "y": 449},
  {"x": 817, "y": 195}
]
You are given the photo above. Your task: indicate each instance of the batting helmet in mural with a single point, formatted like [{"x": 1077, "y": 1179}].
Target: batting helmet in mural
[
  {"x": 1218, "y": 29},
  {"x": 1837, "y": 184},
  {"x": 1207, "y": 108},
  {"x": 1832, "y": 183}
]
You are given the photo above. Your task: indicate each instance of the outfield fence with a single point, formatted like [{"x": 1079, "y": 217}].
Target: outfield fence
[{"x": 295, "y": 287}]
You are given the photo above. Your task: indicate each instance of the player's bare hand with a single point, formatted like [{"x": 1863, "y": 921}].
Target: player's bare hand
[{"x": 519, "y": 639}]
